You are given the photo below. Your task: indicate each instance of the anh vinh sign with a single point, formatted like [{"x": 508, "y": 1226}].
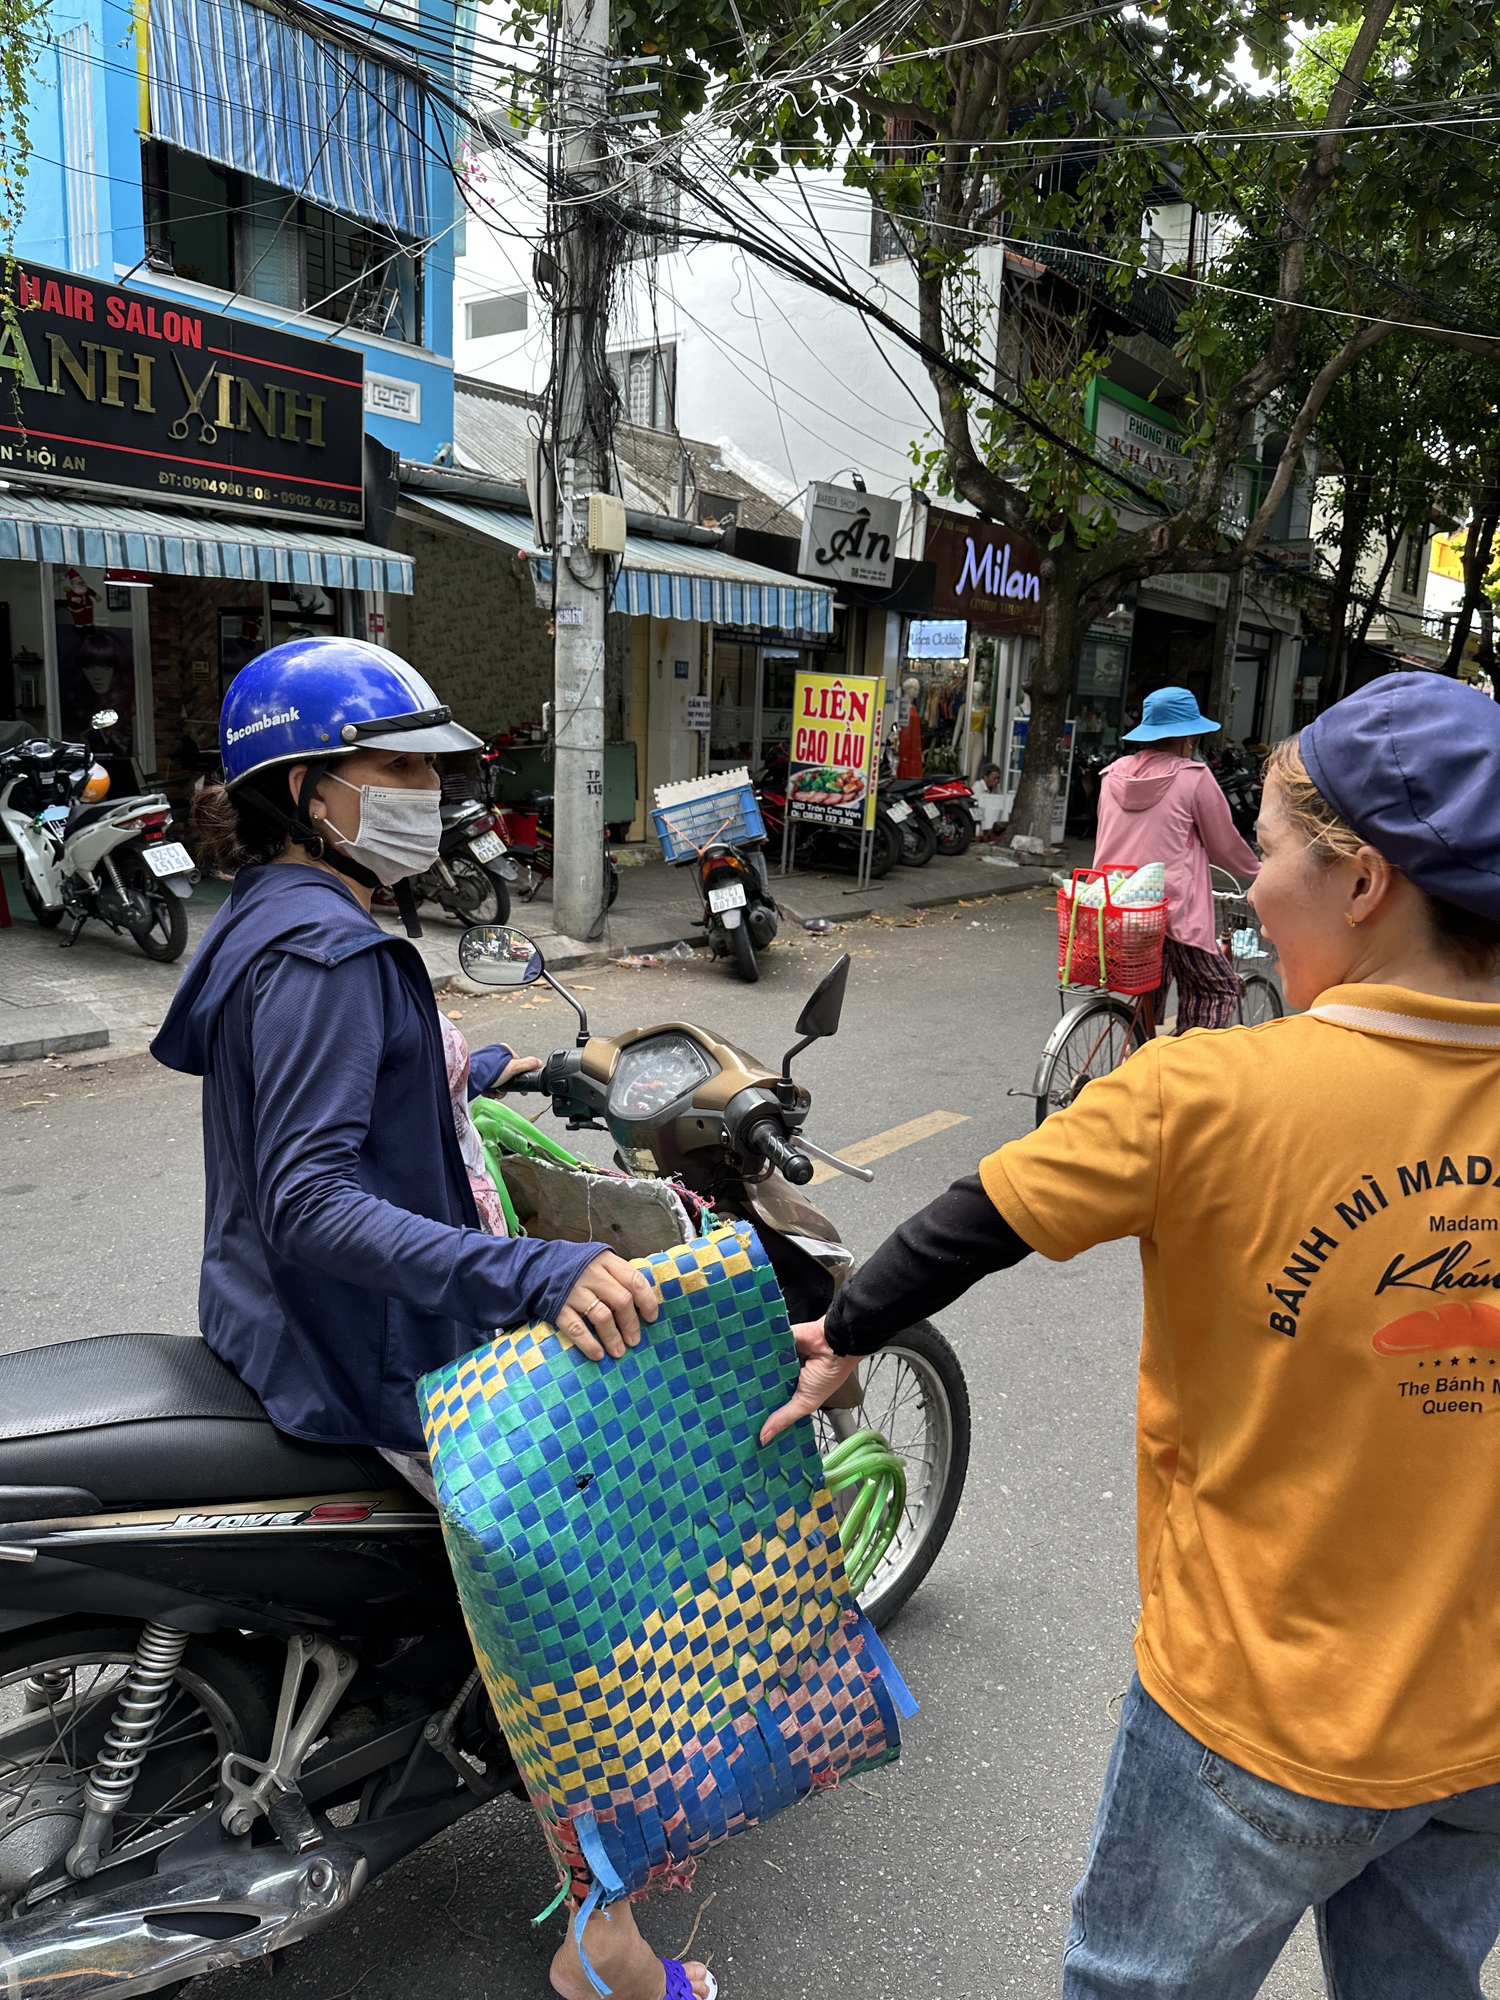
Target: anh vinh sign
[
  {"x": 983, "y": 573},
  {"x": 835, "y": 749},
  {"x": 849, "y": 537},
  {"x": 102, "y": 386}
]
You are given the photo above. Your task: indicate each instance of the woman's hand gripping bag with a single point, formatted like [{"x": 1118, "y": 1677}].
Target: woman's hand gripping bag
[{"x": 658, "y": 1604}]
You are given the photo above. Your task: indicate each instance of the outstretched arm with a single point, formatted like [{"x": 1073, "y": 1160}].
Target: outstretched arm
[{"x": 932, "y": 1259}]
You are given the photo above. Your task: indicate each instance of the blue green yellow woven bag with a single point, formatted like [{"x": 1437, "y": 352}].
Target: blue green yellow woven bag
[{"x": 657, "y": 1603}]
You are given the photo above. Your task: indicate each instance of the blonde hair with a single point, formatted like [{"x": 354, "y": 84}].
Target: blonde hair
[
  {"x": 1463, "y": 935},
  {"x": 1328, "y": 837}
]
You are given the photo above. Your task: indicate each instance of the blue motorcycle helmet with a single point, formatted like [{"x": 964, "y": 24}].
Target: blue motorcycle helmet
[
  {"x": 311, "y": 701},
  {"x": 322, "y": 697}
]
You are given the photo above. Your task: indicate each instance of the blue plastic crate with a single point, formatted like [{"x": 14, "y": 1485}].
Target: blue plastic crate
[{"x": 687, "y": 826}]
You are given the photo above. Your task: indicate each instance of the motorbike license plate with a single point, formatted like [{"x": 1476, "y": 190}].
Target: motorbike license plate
[
  {"x": 899, "y": 811},
  {"x": 932, "y": 811},
  {"x": 730, "y": 897},
  {"x": 486, "y": 847},
  {"x": 974, "y": 813},
  {"x": 169, "y": 858}
]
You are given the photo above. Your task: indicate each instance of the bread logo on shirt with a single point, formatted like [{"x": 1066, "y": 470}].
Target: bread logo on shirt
[{"x": 1455, "y": 1323}]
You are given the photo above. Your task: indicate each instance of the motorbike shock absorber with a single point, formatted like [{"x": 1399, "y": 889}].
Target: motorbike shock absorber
[{"x": 138, "y": 1709}]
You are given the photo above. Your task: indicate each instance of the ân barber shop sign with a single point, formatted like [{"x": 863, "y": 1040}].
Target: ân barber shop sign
[{"x": 108, "y": 387}]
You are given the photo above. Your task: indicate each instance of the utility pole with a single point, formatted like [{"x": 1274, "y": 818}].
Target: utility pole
[{"x": 581, "y": 413}]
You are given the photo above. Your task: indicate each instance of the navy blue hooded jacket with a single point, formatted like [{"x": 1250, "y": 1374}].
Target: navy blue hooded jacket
[{"x": 342, "y": 1252}]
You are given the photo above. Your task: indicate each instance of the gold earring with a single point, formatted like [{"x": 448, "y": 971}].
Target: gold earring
[{"x": 1351, "y": 920}]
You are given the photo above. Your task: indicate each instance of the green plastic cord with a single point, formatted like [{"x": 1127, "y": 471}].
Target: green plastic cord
[
  {"x": 870, "y": 1523},
  {"x": 513, "y": 1133}
]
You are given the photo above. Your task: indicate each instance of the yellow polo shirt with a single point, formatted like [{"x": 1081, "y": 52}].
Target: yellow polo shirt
[{"x": 1318, "y": 1426}]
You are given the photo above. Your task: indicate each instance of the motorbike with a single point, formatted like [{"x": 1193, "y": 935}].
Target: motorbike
[
  {"x": 1239, "y": 779},
  {"x": 958, "y": 813},
  {"x": 526, "y": 830},
  {"x": 824, "y": 846},
  {"x": 739, "y": 911},
  {"x": 82, "y": 858},
  {"x": 235, "y": 1682},
  {"x": 470, "y": 878},
  {"x": 904, "y": 801}
]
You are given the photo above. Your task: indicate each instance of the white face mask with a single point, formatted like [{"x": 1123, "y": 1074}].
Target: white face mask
[{"x": 399, "y": 830}]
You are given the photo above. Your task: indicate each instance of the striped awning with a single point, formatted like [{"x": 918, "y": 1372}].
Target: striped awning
[
  {"x": 94, "y": 535},
  {"x": 669, "y": 579},
  {"x": 238, "y": 84}
]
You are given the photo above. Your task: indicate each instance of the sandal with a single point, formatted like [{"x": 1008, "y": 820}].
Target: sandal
[{"x": 679, "y": 1987}]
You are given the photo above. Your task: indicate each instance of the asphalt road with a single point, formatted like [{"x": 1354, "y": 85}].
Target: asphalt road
[{"x": 947, "y": 1876}]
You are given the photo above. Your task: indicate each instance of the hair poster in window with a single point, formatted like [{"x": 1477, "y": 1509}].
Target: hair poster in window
[{"x": 835, "y": 749}]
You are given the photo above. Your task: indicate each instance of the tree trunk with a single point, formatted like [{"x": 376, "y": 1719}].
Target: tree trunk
[
  {"x": 1479, "y": 545},
  {"x": 1226, "y": 635},
  {"x": 1352, "y": 531},
  {"x": 1050, "y": 686}
]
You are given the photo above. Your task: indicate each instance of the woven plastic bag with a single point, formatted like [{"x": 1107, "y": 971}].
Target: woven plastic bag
[{"x": 657, "y": 1603}]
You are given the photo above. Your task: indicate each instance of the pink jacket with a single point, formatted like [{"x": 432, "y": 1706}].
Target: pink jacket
[{"x": 1158, "y": 807}]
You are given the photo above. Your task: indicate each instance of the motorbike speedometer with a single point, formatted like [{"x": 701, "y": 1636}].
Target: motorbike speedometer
[{"x": 656, "y": 1073}]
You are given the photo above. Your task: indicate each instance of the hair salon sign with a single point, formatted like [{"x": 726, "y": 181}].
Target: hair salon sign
[
  {"x": 984, "y": 573},
  {"x": 849, "y": 537}
]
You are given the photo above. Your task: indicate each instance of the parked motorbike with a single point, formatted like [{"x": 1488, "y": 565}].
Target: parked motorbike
[
  {"x": 902, "y": 799},
  {"x": 526, "y": 830},
  {"x": 739, "y": 911},
  {"x": 1239, "y": 779},
  {"x": 958, "y": 813},
  {"x": 823, "y": 846},
  {"x": 469, "y": 879},
  {"x": 82, "y": 858},
  {"x": 235, "y": 1683}
]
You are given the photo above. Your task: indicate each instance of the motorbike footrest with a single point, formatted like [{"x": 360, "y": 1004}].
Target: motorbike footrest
[{"x": 292, "y": 1822}]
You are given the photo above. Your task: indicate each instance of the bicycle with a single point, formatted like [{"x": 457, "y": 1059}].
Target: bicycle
[{"x": 1095, "y": 1035}]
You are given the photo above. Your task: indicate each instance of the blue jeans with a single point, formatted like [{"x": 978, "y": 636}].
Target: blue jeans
[{"x": 1198, "y": 1873}]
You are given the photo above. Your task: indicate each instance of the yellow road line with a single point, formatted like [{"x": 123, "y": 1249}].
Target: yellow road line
[{"x": 865, "y": 1151}]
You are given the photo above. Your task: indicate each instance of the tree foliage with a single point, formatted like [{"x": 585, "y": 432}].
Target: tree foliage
[{"x": 1348, "y": 204}]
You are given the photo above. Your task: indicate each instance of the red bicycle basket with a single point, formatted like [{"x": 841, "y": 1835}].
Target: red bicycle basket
[{"x": 1131, "y": 938}]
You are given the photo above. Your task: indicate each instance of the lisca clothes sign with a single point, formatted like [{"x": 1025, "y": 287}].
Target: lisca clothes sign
[
  {"x": 102, "y": 386},
  {"x": 983, "y": 573},
  {"x": 835, "y": 749},
  {"x": 849, "y": 537}
]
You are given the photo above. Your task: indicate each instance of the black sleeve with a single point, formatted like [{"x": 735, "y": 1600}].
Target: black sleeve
[{"x": 933, "y": 1258}]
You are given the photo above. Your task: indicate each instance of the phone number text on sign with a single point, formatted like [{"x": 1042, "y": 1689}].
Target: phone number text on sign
[{"x": 835, "y": 749}]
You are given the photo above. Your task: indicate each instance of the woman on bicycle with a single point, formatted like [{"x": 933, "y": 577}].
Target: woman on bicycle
[
  {"x": 1315, "y": 1720},
  {"x": 1164, "y": 805},
  {"x": 345, "y": 1253}
]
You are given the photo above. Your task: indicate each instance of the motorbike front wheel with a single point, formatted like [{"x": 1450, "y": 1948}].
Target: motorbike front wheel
[
  {"x": 885, "y": 851},
  {"x": 48, "y": 919},
  {"x": 163, "y": 936},
  {"x": 746, "y": 964},
  {"x": 916, "y": 1397}
]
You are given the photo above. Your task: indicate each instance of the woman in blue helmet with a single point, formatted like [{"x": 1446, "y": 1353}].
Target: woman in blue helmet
[{"x": 344, "y": 1255}]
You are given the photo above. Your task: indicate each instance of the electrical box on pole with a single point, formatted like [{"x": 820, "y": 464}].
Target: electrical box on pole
[{"x": 582, "y": 402}]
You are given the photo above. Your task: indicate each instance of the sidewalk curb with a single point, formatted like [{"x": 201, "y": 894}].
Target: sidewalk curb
[{"x": 54, "y": 1028}]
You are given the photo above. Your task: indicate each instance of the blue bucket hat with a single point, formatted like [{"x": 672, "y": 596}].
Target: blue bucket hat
[
  {"x": 1412, "y": 762},
  {"x": 1169, "y": 712}
]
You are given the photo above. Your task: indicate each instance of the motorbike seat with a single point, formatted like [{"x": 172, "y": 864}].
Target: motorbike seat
[
  {"x": 82, "y": 816},
  {"x": 905, "y": 788},
  {"x": 153, "y": 1420}
]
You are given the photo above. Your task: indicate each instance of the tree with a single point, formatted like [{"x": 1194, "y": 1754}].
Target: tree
[{"x": 1052, "y": 128}]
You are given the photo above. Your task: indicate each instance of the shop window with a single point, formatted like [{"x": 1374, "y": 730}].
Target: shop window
[
  {"x": 647, "y": 377},
  {"x": 1414, "y": 566},
  {"x": 226, "y": 229},
  {"x": 485, "y": 318}
]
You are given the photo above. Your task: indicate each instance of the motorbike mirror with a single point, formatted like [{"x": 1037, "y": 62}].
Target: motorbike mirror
[
  {"x": 105, "y": 719},
  {"x": 495, "y": 955},
  {"x": 825, "y": 1005}
]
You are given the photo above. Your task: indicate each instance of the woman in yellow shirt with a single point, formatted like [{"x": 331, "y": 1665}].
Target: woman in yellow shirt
[{"x": 1315, "y": 1721}]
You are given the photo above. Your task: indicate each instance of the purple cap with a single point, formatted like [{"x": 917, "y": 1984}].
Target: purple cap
[{"x": 1412, "y": 762}]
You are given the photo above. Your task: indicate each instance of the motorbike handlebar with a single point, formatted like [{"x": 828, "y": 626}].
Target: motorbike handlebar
[{"x": 765, "y": 1139}]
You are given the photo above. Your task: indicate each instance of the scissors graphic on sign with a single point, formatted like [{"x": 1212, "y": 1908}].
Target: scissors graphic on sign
[{"x": 208, "y": 433}]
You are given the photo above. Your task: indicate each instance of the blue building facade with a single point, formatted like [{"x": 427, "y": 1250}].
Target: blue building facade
[{"x": 293, "y": 168}]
